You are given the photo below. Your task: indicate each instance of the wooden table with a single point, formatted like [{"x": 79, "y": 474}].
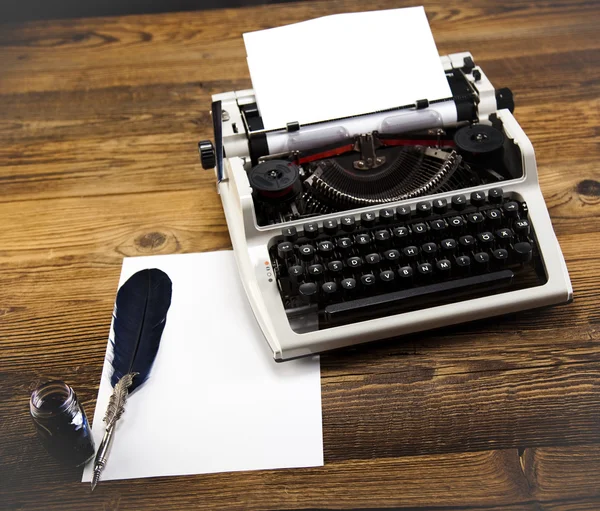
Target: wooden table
[{"x": 99, "y": 120}]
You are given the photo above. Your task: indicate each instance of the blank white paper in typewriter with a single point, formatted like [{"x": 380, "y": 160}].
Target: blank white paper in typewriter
[
  {"x": 343, "y": 65},
  {"x": 215, "y": 401}
]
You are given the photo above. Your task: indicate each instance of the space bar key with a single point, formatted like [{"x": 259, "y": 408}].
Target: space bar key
[{"x": 396, "y": 298}]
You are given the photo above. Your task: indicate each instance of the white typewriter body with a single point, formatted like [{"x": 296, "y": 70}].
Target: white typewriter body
[{"x": 251, "y": 241}]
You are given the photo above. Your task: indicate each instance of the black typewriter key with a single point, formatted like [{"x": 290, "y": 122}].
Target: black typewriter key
[
  {"x": 495, "y": 195},
  {"x": 316, "y": 270},
  {"x": 406, "y": 275},
  {"x": 325, "y": 248},
  {"x": 448, "y": 245},
  {"x": 424, "y": 208},
  {"x": 500, "y": 255},
  {"x": 523, "y": 251},
  {"x": 425, "y": 270},
  {"x": 348, "y": 284},
  {"x": 494, "y": 217},
  {"x": 329, "y": 289},
  {"x": 466, "y": 242},
  {"x": 410, "y": 252},
  {"x": 348, "y": 223},
  {"x": 362, "y": 241},
  {"x": 344, "y": 244},
  {"x": 335, "y": 266},
  {"x": 440, "y": 206},
  {"x": 289, "y": 234},
  {"x": 486, "y": 239},
  {"x": 372, "y": 259},
  {"x": 386, "y": 276},
  {"x": 419, "y": 230},
  {"x": 481, "y": 261},
  {"x": 391, "y": 255},
  {"x": 386, "y": 215},
  {"x": 296, "y": 273},
  {"x": 429, "y": 248},
  {"x": 403, "y": 213},
  {"x": 511, "y": 209},
  {"x": 400, "y": 232},
  {"x": 308, "y": 291},
  {"x": 477, "y": 199},
  {"x": 285, "y": 250},
  {"x": 438, "y": 226},
  {"x": 354, "y": 262},
  {"x": 456, "y": 223},
  {"x": 311, "y": 230},
  {"x": 459, "y": 202},
  {"x": 522, "y": 227},
  {"x": 330, "y": 226},
  {"x": 504, "y": 235},
  {"x": 382, "y": 239},
  {"x": 475, "y": 220},
  {"x": 368, "y": 280},
  {"x": 368, "y": 219},
  {"x": 307, "y": 252},
  {"x": 463, "y": 263},
  {"x": 443, "y": 267}
]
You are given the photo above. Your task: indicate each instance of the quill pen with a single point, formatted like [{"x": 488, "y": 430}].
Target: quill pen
[{"x": 139, "y": 319}]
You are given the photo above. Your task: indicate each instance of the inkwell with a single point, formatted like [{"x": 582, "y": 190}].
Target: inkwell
[{"x": 61, "y": 423}]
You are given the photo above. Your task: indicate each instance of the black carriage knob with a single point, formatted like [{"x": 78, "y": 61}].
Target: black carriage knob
[{"x": 208, "y": 156}]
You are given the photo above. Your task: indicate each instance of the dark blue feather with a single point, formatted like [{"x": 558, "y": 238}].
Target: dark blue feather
[{"x": 139, "y": 320}]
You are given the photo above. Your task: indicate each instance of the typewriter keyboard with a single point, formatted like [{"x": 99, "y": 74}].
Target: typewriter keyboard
[{"x": 394, "y": 260}]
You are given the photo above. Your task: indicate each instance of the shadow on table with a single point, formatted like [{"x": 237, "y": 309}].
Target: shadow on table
[{"x": 25, "y": 10}]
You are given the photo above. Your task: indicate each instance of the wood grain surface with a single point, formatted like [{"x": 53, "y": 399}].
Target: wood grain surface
[{"x": 99, "y": 120}]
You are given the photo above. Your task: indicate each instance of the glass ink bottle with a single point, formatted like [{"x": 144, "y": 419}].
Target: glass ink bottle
[{"x": 61, "y": 423}]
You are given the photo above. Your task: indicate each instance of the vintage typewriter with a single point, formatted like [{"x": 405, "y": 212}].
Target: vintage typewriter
[{"x": 393, "y": 222}]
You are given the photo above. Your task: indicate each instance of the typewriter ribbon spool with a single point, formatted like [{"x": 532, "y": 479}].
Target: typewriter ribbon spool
[{"x": 275, "y": 180}]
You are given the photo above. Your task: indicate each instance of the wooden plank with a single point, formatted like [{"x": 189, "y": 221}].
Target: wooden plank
[
  {"x": 99, "y": 113},
  {"x": 383, "y": 415},
  {"x": 120, "y": 225},
  {"x": 550, "y": 470},
  {"x": 468, "y": 481},
  {"x": 147, "y": 49},
  {"x": 585, "y": 504},
  {"x": 104, "y": 166}
]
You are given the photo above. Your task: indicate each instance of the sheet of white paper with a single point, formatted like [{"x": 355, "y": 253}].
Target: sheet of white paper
[
  {"x": 215, "y": 401},
  {"x": 343, "y": 65}
]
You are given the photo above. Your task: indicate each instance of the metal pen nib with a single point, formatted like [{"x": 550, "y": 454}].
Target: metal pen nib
[
  {"x": 102, "y": 455},
  {"x": 95, "y": 479}
]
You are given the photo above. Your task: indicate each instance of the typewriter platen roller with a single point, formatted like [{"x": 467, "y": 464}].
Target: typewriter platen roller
[{"x": 393, "y": 222}]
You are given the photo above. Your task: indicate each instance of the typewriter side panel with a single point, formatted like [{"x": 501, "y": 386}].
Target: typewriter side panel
[
  {"x": 251, "y": 256},
  {"x": 559, "y": 282}
]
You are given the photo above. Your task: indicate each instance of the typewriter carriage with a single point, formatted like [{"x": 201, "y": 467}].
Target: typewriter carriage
[{"x": 338, "y": 178}]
